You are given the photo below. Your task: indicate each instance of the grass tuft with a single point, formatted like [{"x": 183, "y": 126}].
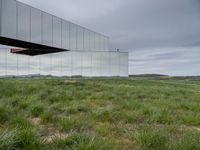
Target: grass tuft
[
  {"x": 19, "y": 139},
  {"x": 36, "y": 110},
  {"x": 4, "y": 114},
  {"x": 149, "y": 138},
  {"x": 81, "y": 141}
]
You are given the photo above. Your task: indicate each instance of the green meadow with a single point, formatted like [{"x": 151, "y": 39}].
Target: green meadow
[{"x": 138, "y": 113}]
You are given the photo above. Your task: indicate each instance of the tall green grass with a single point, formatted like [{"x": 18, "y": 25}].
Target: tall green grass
[{"x": 134, "y": 113}]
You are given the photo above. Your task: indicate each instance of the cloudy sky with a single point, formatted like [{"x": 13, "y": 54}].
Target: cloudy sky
[{"x": 162, "y": 36}]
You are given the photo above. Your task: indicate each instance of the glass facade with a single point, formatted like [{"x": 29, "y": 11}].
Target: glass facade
[
  {"x": 88, "y": 55},
  {"x": 22, "y": 22},
  {"x": 70, "y": 63}
]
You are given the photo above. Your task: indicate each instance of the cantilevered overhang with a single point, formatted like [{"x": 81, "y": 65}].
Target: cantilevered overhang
[
  {"x": 39, "y": 32},
  {"x": 33, "y": 52},
  {"x": 27, "y": 48}
]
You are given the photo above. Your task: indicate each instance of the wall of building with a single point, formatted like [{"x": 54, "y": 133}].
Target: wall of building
[
  {"x": 89, "y": 53},
  {"x": 69, "y": 63}
]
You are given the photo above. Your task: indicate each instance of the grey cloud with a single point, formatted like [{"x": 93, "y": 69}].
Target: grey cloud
[
  {"x": 192, "y": 44},
  {"x": 162, "y": 56}
]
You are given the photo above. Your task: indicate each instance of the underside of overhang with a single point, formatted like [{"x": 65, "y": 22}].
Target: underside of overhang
[{"x": 27, "y": 48}]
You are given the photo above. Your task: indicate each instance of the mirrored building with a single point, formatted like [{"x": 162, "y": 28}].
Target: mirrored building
[{"x": 49, "y": 45}]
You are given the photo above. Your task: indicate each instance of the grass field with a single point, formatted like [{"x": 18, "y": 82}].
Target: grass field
[{"x": 91, "y": 114}]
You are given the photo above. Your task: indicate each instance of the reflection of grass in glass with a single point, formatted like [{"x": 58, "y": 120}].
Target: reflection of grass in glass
[{"x": 134, "y": 113}]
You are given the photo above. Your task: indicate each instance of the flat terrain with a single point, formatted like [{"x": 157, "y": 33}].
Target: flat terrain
[{"x": 91, "y": 114}]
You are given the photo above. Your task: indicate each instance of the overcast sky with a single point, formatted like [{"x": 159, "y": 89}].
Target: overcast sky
[{"x": 162, "y": 36}]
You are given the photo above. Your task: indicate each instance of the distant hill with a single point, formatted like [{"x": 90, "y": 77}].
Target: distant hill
[{"x": 148, "y": 75}]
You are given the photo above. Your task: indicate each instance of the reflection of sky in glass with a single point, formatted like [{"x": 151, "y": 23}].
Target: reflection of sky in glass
[{"x": 69, "y": 63}]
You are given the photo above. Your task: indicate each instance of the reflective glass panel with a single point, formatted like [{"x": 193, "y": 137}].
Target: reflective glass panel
[
  {"x": 92, "y": 36},
  {"x": 96, "y": 62},
  {"x": 3, "y": 62},
  {"x": 46, "y": 64},
  {"x": 105, "y": 64},
  {"x": 23, "y": 65},
  {"x": 66, "y": 63},
  {"x": 36, "y": 26},
  {"x": 47, "y": 29},
  {"x": 76, "y": 63},
  {"x": 64, "y": 35},
  {"x": 56, "y": 64},
  {"x": 114, "y": 63},
  {"x": 79, "y": 38},
  {"x": 86, "y": 40},
  {"x": 12, "y": 63},
  {"x": 73, "y": 37},
  {"x": 9, "y": 18},
  {"x": 67, "y": 35},
  {"x": 23, "y": 20},
  {"x": 97, "y": 42},
  {"x": 57, "y": 32},
  {"x": 34, "y": 65},
  {"x": 86, "y": 63}
]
